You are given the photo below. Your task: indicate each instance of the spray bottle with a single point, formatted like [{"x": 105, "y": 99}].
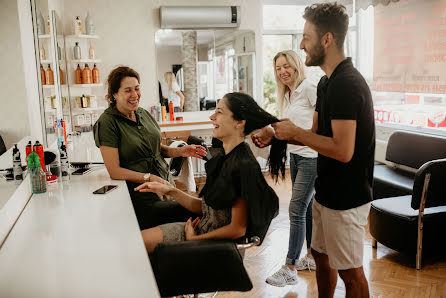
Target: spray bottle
[{"x": 17, "y": 165}]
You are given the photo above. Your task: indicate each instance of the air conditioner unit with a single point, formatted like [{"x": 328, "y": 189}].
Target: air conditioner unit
[{"x": 192, "y": 17}]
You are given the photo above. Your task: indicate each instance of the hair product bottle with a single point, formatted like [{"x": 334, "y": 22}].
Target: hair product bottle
[
  {"x": 48, "y": 25},
  {"x": 91, "y": 52},
  {"x": 86, "y": 75},
  {"x": 64, "y": 164},
  {"x": 17, "y": 165},
  {"x": 163, "y": 113},
  {"x": 42, "y": 52},
  {"x": 61, "y": 76},
  {"x": 42, "y": 75},
  {"x": 77, "y": 51},
  {"x": 40, "y": 24},
  {"x": 39, "y": 150},
  {"x": 78, "y": 26},
  {"x": 89, "y": 25},
  {"x": 172, "y": 116},
  {"x": 28, "y": 149},
  {"x": 78, "y": 75},
  {"x": 95, "y": 74},
  {"x": 49, "y": 76}
]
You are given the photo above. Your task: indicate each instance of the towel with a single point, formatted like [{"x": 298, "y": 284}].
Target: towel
[{"x": 186, "y": 175}]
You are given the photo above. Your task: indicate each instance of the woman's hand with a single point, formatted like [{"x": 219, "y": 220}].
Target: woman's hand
[
  {"x": 192, "y": 151},
  {"x": 263, "y": 138},
  {"x": 155, "y": 178},
  {"x": 190, "y": 228},
  {"x": 160, "y": 189}
]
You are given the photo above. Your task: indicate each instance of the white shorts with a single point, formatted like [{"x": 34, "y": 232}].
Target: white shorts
[{"x": 340, "y": 234}]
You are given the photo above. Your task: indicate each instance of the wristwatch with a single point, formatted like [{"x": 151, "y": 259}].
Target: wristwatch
[{"x": 146, "y": 177}]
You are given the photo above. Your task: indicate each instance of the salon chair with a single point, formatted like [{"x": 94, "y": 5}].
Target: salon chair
[
  {"x": 176, "y": 163},
  {"x": 203, "y": 266},
  {"x": 414, "y": 223},
  {"x": 2, "y": 146}
]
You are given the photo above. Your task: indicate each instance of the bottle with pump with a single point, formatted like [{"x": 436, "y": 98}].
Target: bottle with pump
[
  {"x": 49, "y": 76},
  {"x": 78, "y": 75},
  {"x": 37, "y": 176},
  {"x": 64, "y": 164},
  {"x": 172, "y": 116},
  {"x": 95, "y": 74},
  {"x": 42, "y": 75},
  {"x": 39, "y": 150},
  {"x": 17, "y": 165},
  {"x": 84, "y": 101},
  {"x": 77, "y": 51},
  {"x": 91, "y": 54},
  {"x": 77, "y": 26},
  {"x": 86, "y": 75}
]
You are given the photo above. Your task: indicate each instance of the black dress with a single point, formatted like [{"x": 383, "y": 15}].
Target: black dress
[{"x": 232, "y": 176}]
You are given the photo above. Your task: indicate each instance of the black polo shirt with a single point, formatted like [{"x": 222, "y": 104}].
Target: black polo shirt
[{"x": 346, "y": 95}]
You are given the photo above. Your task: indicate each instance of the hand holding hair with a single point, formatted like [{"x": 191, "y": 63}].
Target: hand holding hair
[{"x": 285, "y": 129}]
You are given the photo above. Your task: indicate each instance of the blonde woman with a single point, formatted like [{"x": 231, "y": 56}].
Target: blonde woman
[
  {"x": 296, "y": 99},
  {"x": 174, "y": 93}
]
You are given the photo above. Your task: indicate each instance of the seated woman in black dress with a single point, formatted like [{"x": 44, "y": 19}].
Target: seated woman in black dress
[{"x": 236, "y": 200}]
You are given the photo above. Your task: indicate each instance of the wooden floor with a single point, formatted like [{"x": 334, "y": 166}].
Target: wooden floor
[{"x": 390, "y": 274}]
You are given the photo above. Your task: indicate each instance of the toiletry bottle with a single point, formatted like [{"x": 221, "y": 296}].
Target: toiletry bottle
[
  {"x": 95, "y": 74},
  {"x": 42, "y": 75},
  {"x": 59, "y": 133},
  {"x": 49, "y": 76},
  {"x": 40, "y": 24},
  {"x": 84, "y": 101},
  {"x": 64, "y": 164},
  {"x": 17, "y": 165},
  {"x": 77, "y": 26},
  {"x": 91, "y": 54},
  {"x": 160, "y": 115},
  {"x": 172, "y": 116},
  {"x": 86, "y": 75},
  {"x": 39, "y": 150},
  {"x": 42, "y": 52},
  {"x": 28, "y": 149},
  {"x": 77, "y": 51},
  {"x": 163, "y": 113},
  {"x": 78, "y": 75},
  {"x": 37, "y": 176},
  {"x": 61, "y": 76},
  {"x": 89, "y": 25},
  {"x": 48, "y": 25}
]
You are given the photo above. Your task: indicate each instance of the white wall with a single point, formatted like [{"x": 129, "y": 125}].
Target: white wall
[
  {"x": 165, "y": 57},
  {"x": 127, "y": 30},
  {"x": 14, "y": 124}
]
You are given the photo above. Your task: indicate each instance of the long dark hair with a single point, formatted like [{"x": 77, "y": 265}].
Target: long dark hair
[
  {"x": 114, "y": 81},
  {"x": 244, "y": 107}
]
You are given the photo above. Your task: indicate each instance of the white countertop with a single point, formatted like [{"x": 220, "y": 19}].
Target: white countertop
[{"x": 71, "y": 243}]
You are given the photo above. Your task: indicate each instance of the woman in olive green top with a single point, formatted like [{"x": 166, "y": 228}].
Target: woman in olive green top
[{"x": 130, "y": 143}]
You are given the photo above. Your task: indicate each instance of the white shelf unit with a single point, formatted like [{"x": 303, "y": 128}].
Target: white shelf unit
[
  {"x": 43, "y": 36},
  {"x": 87, "y": 85},
  {"x": 80, "y": 61},
  {"x": 83, "y": 36},
  {"x": 43, "y": 62},
  {"x": 76, "y": 111}
]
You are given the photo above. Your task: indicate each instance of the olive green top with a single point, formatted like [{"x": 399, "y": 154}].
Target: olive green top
[{"x": 138, "y": 142}]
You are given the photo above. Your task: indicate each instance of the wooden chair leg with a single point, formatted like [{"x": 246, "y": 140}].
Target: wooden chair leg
[{"x": 374, "y": 243}]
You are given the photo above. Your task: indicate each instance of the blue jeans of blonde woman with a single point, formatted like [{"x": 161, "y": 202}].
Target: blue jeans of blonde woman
[{"x": 303, "y": 175}]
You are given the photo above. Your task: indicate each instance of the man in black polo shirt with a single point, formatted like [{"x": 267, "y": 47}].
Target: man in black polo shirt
[{"x": 343, "y": 134}]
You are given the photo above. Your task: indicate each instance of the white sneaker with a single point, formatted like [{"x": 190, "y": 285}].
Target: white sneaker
[
  {"x": 305, "y": 263},
  {"x": 284, "y": 276}
]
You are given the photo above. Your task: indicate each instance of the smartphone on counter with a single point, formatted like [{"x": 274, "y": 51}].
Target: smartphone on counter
[
  {"x": 81, "y": 171},
  {"x": 104, "y": 189}
]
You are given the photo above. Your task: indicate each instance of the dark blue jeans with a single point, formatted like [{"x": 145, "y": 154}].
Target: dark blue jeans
[{"x": 303, "y": 174}]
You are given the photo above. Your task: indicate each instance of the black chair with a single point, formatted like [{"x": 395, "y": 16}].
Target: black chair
[
  {"x": 203, "y": 266},
  {"x": 176, "y": 164},
  {"x": 396, "y": 223},
  {"x": 2, "y": 146}
]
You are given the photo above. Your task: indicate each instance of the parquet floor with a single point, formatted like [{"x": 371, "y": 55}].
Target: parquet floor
[{"x": 390, "y": 274}]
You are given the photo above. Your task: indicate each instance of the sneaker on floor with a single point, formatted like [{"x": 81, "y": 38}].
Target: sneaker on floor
[
  {"x": 284, "y": 276},
  {"x": 305, "y": 263}
]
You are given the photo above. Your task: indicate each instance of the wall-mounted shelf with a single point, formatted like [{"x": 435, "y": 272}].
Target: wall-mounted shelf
[
  {"x": 83, "y": 36},
  {"x": 87, "y": 85},
  {"x": 43, "y": 36},
  {"x": 52, "y": 86},
  {"x": 86, "y": 61},
  {"x": 76, "y": 111},
  {"x": 46, "y": 61}
]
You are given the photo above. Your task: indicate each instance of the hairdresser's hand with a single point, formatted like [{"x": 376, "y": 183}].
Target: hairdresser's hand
[
  {"x": 160, "y": 189},
  {"x": 155, "y": 178},
  {"x": 285, "y": 129},
  {"x": 263, "y": 138},
  {"x": 190, "y": 228},
  {"x": 192, "y": 151}
]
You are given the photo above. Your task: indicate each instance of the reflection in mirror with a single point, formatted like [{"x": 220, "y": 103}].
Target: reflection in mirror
[
  {"x": 14, "y": 124},
  {"x": 207, "y": 63}
]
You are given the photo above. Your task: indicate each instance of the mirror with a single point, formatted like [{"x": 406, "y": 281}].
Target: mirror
[
  {"x": 14, "y": 123},
  {"x": 207, "y": 64}
]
